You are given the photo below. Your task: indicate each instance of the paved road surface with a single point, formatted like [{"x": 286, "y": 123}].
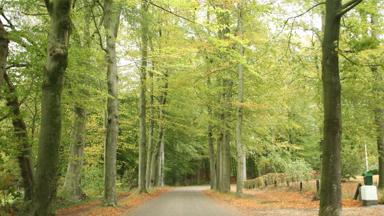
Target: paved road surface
[{"x": 184, "y": 201}]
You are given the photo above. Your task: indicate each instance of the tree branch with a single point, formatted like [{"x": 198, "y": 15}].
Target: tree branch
[
  {"x": 299, "y": 15},
  {"x": 98, "y": 31},
  {"x": 348, "y": 6},
  {"x": 171, "y": 12}
]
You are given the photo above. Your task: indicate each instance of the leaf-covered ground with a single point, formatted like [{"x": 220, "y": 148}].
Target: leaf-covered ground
[
  {"x": 278, "y": 201},
  {"x": 126, "y": 202}
]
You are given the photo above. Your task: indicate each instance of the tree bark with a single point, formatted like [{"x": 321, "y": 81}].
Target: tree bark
[
  {"x": 330, "y": 192},
  {"x": 143, "y": 103},
  {"x": 111, "y": 25},
  {"x": 211, "y": 147},
  {"x": 241, "y": 165},
  {"x": 151, "y": 147},
  {"x": 72, "y": 183},
  {"x": 161, "y": 160},
  {"x": 21, "y": 133},
  {"x": 50, "y": 131},
  {"x": 224, "y": 154},
  {"x": 3, "y": 51}
]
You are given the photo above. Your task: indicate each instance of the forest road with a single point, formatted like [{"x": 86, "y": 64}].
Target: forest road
[{"x": 184, "y": 201}]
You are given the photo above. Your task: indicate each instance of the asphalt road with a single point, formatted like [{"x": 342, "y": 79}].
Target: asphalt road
[{"x": 183, "y": 201}]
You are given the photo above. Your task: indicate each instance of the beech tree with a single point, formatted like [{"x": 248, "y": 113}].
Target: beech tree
[
  {"x": 112, "y": 12},
  {"x": 143, "y": 101},
  {"x": 330, "y": 194},
  {"x": 45, "y": 187}
]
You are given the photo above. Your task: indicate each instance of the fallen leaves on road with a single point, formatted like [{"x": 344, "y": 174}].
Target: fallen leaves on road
[
  {"x": 274, "y": 198},
  {"x": 126, "y": 201}
]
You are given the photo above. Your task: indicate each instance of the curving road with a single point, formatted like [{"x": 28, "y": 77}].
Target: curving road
[{"x": 184, "y": 201}]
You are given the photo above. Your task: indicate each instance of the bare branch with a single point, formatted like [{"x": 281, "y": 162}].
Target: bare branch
[
  {"x": 98, "y": 31},
  {"x": 8, "y": 20},
  {"x": 171, "y": 12},
  {"x": 348, "y": 6},
  {"x": 297, "y": 16}
]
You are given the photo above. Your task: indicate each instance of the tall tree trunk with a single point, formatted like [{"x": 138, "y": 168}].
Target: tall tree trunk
[
  {"x": 241, "y": 165},
  {"x": 111, "y": 24},
  {"x": 330, "y": 193},
  {"x": 143, "y": 103},
  {"x": 160, "y": 145},
  {"x": 3, "y": 51},
  {"x": 20, "y": 131},
  {"x": 225, "y": 165},
  {"x": 211, "y": 147},
  {"x": 72, "y": 183},
  {"x": 151, "y": 147},
  {"x": 161, "y": 160},
  {"x": 50, "y": 130},
  {"x": 224, "y": 154}
]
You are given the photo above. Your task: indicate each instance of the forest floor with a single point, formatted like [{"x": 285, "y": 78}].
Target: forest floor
[
  {"x": 282, "y": 200},
  {"x": 126, "y": 201}
]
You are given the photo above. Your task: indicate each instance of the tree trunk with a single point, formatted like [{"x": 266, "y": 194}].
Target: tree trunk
[
  {"x": 50, "y": 130},
  {"x": 72, "y": 183},
  {"x": 143, "y": 89},
  {"x": 20, "y": 131},
  {"x": 161, "y": 160},
  {"x": 111, "y": 26},
  {"x": 225, "y": 172},
  {"x": 330, "y": 191},
  {"x": 160, "y": 145},
  {"x": 330, "y": 194},
  {"x": 3, "y": 51},
  {"x": 224, "y": 154},
  {"x": 241, "y": 165},
  {"x": 151, "y": 148},
  {"x": 212, "y": 158}
]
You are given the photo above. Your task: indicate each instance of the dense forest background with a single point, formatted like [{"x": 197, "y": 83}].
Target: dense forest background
[{"x": 185, "y": 71}]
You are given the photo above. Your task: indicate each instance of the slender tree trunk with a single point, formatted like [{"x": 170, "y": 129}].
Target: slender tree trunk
[
  {"x": 241, "y": 165},
  {"x": 20, "y": 131},
  {"x": 151, "y": 148},
  {"x": 225, "y": 172},
  {"x": 111, "y": 25},
  {"x": 160, "y": 145},
  {"x": 212, "y": 158},
  {"x": 330, "y": 193},
  {"x": 161, "y": 160},
  {"x": 3, "y": 51},
  {"x": 219, "y": 142},
  {"x": 72, "y": 183},
  {"x": 143, "y": 103},
  {"x": 50, "y": 130}
]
